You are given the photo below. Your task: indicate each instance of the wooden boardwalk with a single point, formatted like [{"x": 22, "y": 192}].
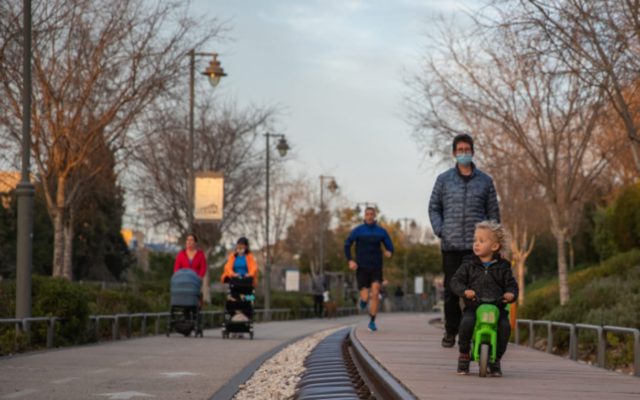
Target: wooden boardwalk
[{"x": 409, "y": 348}]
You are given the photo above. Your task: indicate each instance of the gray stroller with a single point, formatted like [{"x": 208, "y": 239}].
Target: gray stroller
[{"x": 184, "y": 316}]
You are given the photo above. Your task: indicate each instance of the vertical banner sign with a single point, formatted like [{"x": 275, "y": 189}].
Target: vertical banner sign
[
  {"x": 208, "y": 196},
  {"x": 419, "y": 285},
  {"x": 292, "y": 280}
]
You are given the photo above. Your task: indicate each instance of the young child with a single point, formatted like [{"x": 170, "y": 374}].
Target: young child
[{"x": 484, "y": 275}]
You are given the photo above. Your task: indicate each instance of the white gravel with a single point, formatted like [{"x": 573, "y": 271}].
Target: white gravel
[{"x": 277, "y": 378}]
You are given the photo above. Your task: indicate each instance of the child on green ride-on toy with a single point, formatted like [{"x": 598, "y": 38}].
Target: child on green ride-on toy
[{"x": 484, "y": 275}]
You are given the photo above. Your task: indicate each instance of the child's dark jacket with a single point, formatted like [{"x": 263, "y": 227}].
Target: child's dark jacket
[{"x": 488, "y": 282}]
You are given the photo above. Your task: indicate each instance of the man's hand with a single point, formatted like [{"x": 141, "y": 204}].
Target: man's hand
[
  {"x": 508, "y": 297},
  {"x": 469, "y": 294},
  {"x": 387, "y": 253},
  {"x": 353, "y": 265}
]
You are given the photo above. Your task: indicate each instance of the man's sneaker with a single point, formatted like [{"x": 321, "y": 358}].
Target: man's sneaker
[
  {"x": 494, "y": 369},
  {"x": 449, "y": 340},
  {"x": 463, "y": 364},
  {"x": 363, "y": 305},
  {"x": 372, "y": 326}
]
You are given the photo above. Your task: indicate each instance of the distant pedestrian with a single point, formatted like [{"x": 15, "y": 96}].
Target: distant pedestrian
[
  {"x": 318, "y": 289},
  {"x": 398, "y": 297},
  {"x": 462, "y": 197},
  {"x": 369, "y": 239},
  {"x": 191, "y": 257}
]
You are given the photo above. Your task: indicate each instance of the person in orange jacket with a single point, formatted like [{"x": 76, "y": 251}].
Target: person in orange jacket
[{"x": 241, "y": 263}]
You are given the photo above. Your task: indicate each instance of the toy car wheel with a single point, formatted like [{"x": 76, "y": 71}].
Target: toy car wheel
[{"x": 484, "y": 359}]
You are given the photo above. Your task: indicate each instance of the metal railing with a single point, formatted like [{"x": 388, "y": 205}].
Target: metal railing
[
  {"x": 574, "y": 337},
  {"x": 124, "y": 324}
]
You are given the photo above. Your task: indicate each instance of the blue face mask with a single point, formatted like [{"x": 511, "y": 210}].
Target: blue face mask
[{"x": 464, "y": 159}]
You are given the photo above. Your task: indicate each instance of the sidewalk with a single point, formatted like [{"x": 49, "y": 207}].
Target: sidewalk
[{"x": 409, "y": 348}]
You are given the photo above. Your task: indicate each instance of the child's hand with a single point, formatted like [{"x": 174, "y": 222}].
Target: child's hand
[
  {"x": 469, "y": 294},
  {"x": 508, "y": 297}
]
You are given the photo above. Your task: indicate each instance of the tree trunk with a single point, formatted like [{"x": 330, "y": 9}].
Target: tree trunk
[
  {"x": 563, "y": 282},
  {"x": 206, "y": 287},
  {"x": 571, "y": 255},
  {"x": 520, "y": 272},
  {"x": 635, "y": 145},
  {"x": 67, "y": 267},
  {"x": 58, "y": 243}
]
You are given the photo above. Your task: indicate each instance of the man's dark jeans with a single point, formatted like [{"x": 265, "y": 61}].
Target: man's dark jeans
[
  {"x": 451, "y": 260},
  {"x": 469, "y": 322}
]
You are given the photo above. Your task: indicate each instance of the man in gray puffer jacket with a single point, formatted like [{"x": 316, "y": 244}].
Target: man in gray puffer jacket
[{"x": 462, "y": 197}]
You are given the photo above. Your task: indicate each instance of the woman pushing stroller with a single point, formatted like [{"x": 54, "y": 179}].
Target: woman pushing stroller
[
  {"x": 241, "y": 263},
  {"x": 241, "y": 273}
]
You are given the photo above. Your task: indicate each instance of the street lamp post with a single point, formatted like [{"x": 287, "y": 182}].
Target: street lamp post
[
  {"x": 282, "y": 148},
  {"x": 214, "y": 72},
  {"x": 412, "y": 223},
  {"x": 332, "y": 186},
  {"x": 25, "y": 190},
  {"x": 366, "y": 204}
]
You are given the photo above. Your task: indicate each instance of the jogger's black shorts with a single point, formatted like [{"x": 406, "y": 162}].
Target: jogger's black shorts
[{"x": 366, "y": 276}]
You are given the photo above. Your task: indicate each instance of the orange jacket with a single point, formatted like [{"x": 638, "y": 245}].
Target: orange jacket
[{"x": 252, "y": 266}]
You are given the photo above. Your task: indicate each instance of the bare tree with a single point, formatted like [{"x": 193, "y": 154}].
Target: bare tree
[
  {"x": 495, "y": 86},
  {"x": 597, "y": 41},
  {"x": 289, "y": 194},
  {"x": 227, "y": 140},
  {"x": 96, "y": 66}
]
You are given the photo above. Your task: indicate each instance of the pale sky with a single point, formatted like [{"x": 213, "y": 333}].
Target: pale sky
[{"x": 337, "y": 70}]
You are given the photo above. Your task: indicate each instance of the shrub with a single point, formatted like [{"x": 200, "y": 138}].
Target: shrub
[{"x": 61, "y": 298}]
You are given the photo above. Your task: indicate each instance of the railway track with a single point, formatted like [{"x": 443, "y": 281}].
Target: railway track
[{"x": 339, "y": 367}]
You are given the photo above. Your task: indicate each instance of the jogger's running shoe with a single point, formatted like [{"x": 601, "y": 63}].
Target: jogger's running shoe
[
  {"x": 363, "y": 305},
  {"x": 372, "y": 326}
]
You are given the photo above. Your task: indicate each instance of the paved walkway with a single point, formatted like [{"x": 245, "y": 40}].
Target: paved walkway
[
  {"x": 155, "y": 367},
  {"x": 410, "y": 349}
]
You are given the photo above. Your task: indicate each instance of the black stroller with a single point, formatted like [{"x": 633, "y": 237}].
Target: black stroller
[
  {"x": 184, "y": 316},
  {"x": 238, "y": 307}
]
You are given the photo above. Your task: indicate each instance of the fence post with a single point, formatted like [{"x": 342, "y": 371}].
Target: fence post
[
  {"x": 549, "y": 337},
  {"x": 636, "y": 352},
  {"x": 602, "y": 344},
  {"x": 27, "y": 330},
  {"x": 157, "y": 324},
  {"x": 97, "y": 319},
  {"x": 532, "y": 335},
  {"x": 573, "y": 343},
  {"x": 129, "y": 325},
  {"x": 143, "y": 325},
  {"x": 517, "y": 338},
  {"x": 115, "y": 328},
  {"x": 50, "y": 330}
]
